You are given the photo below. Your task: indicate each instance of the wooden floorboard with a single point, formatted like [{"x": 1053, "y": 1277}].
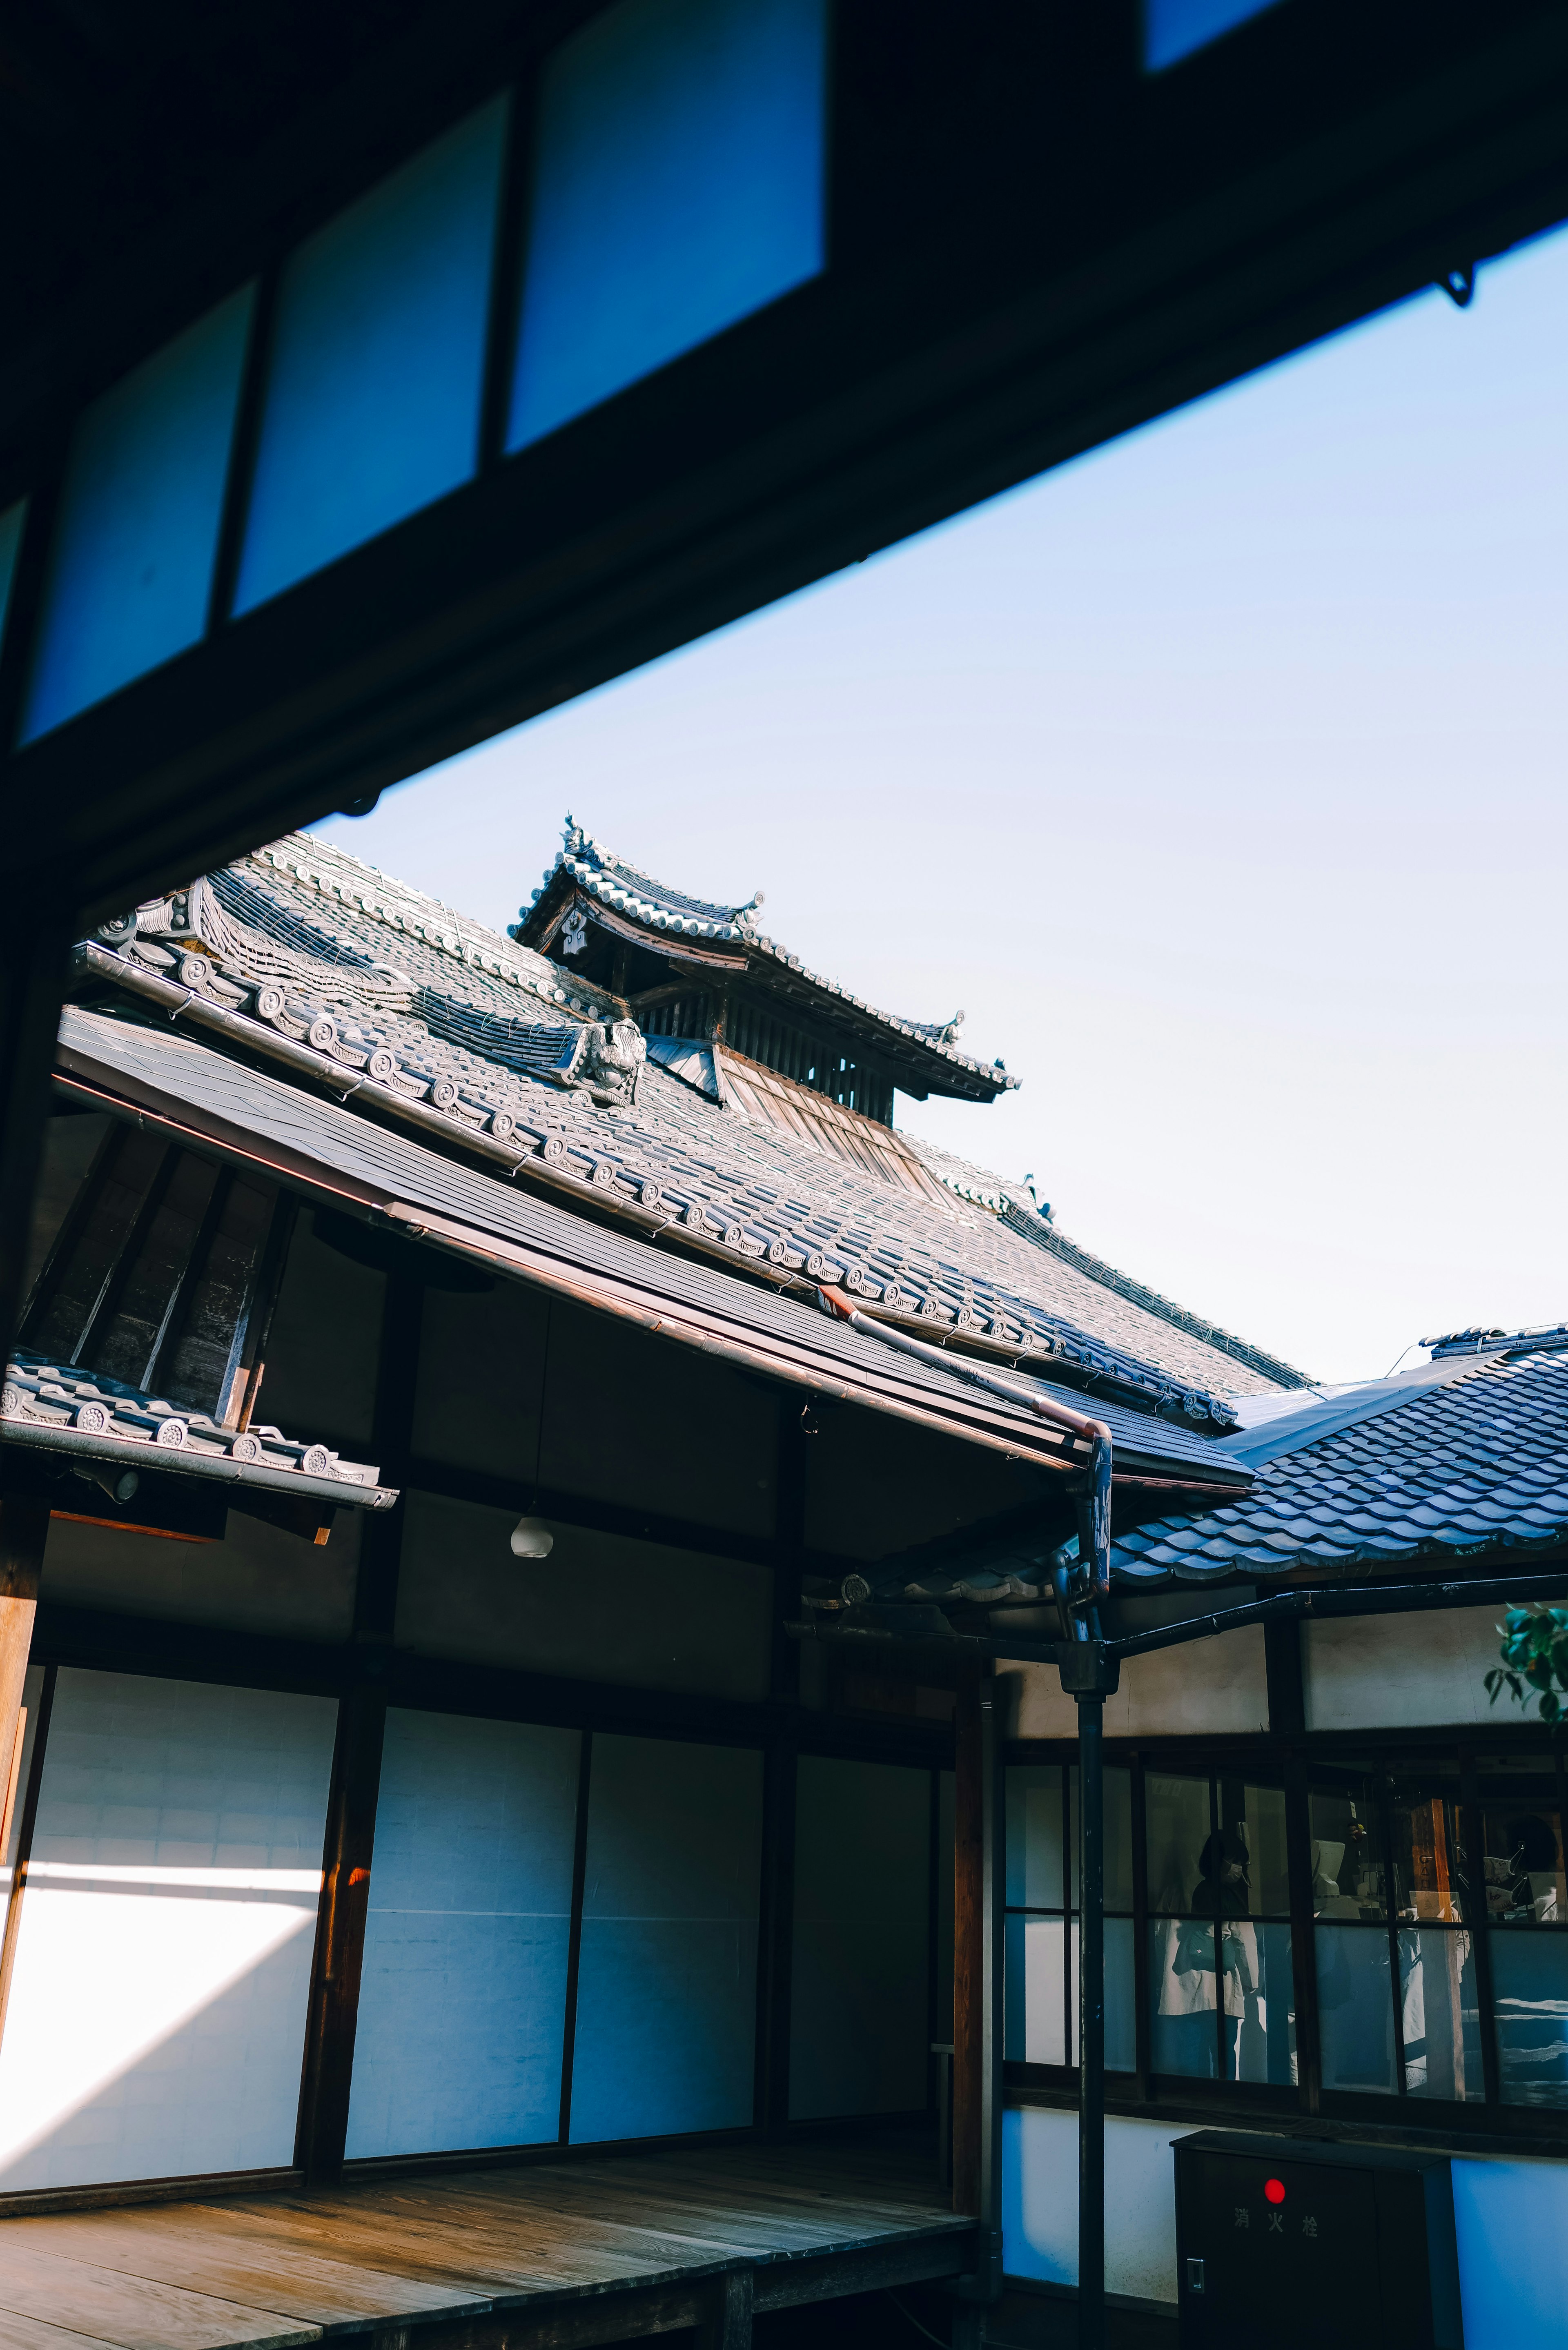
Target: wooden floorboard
[{"x": 558, "y": 2253}]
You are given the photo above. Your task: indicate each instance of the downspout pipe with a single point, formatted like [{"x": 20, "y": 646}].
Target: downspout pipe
[
  {"x": 1090, "y": 1675},
  {"x": 1092, "y": 1498}
]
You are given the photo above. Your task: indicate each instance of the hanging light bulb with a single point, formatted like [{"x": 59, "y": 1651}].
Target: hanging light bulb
[{"x": 532, "y": 1538}]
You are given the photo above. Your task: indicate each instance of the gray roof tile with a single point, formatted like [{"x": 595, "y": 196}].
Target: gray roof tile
[{"x": 1476, "y": 1462}]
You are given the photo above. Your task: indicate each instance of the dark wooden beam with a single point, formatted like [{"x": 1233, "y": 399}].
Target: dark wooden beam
[
  {"x": 776, "y": 1933},
  {"x": 969, "y": 1941}
]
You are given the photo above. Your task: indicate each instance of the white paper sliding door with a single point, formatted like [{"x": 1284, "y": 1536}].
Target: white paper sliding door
[
  {"x": 667, "y": 1984},
  {"x": 464, "y": 1991},
  {"x": 157, "y": 2016},
  {"x": 860, "y": 1980}
]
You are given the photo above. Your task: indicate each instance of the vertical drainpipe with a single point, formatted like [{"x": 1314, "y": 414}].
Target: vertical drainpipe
[{"x": 1089, "y": 1676}]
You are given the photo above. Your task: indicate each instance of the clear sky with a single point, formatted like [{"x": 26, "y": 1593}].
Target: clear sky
[{"x": 1219, "y": 776}]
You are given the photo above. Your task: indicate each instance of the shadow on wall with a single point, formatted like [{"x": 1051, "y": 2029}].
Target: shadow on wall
[{"x": 110, "y": 2070}]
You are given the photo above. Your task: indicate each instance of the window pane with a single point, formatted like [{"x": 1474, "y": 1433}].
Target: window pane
[
  {"x": 377, "y": 361},
  {"x": 1035, "y": 2025},
  {"x": 1260, "y": 2004},
  {"x": 1253, "y": 1823},
  {"x": 1522, "y": 1838},
  {"x": 1183, "y": 2037},
  {"x": 1439, "y": 2014},
  {"x": 1041, "y": 2012},
  {"x": 1355, "y": 2008},
  {"x": 130, "y": 568},
  {"x": 1428, "y": 1844},
  {"x": 1179, "y": 1825},
  {"x": 1118, "y": 1840},
  {"x": 1346, "y": 1854},
  {"x": 1034, "y": 1838},
  {"x": 1529, "y": 1998},
  {"x": 678, "y": 186},
  {"x": 1174, "y": 28}
]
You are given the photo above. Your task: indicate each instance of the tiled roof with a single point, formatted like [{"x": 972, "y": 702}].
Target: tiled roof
[
  {"x": 302, "y": 955},
  {"x": 64, "y": 1408},
  {"x": 1015, "y": 1202},
  {"x": 1474, "y": 1461},
  {"x": 600, "y": 874}
]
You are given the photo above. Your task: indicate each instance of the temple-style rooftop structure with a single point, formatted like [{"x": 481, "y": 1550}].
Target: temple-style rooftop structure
[{"x": 688, "y": 969}]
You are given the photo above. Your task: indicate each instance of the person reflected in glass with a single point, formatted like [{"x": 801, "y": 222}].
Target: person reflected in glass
[{"x": 1219, "y": 1899}]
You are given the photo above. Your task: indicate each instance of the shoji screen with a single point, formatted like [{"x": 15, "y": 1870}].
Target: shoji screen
[
  {"x": 667, "y": 1984},
  {"x": 463, "y": 1995},
  {"x": 157, "y": 2015},
  {"x": 860, "y": 1985}
]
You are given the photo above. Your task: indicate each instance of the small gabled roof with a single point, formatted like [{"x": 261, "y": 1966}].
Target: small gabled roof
[
  {"x": 923, "y": 1055},
  {"x": 1456, "y": 1458}
]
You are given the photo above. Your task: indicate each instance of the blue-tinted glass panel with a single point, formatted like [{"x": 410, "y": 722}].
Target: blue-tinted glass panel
[
  {"x": 678, "y": 186},
  {"x": 130, "y": 569},
  {"x": 1174, "y": 28},
  {"x": 1530, "y": 2001},
  {"x": 11, "y": 522},
  {"x": 1355, "y": 2008},
  {"x": 376, "y": 364}
]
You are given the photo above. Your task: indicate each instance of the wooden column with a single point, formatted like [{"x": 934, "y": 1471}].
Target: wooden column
[
  {"x": 24, "y": 1528},
  {"x": 969, "y": 1941},
  {"x": 340, "y": 1935},
  {"x": 32, "y": 983},
  {"x": 329, "y": 2072}
]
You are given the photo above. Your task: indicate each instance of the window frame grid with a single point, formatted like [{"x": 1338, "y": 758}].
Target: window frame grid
[{"x": 1290, "y": 1763}]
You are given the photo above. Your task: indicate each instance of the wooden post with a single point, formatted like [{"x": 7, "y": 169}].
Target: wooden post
[
  {"x": 328, "y": 2077},
  {"x": 969, "y": 1941},
  {"x": 727, "y": 2323},
  {"x": 340, "y": 1935},
  {"x": 24, "y": 1528}
]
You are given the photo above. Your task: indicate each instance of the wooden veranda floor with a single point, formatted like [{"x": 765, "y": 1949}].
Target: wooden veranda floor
[{"x": 535, "y": 2256}]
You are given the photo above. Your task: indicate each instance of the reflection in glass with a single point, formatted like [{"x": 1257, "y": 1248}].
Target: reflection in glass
[
  {"x": 1034, "y": 1837},
  {"x": 1428, "y": 1846},
  {"x": 1522, "y": 1843},
  {"x": 1260, "y": 2006},
  {"x": 1118, "y": 1839},
  {"x": 1346, "y": 1857},
  {"x": 1440, "y": 2016},
  {"x": 1529, "y": 2001},
  {"x": 1180, "y": 1822},
  {"x": 1355, "y": 2008},
  {"x": 1254, "y": 1817},
  {"x": 1041, "y": 2015},
  {"x": 1035, "y": 2011},
  {"x": 11, "y": 522}
]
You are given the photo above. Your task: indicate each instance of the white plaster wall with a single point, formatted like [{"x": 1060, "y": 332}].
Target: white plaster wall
[
  {"x": 1389, "y": 1672},
  {"x": 1209, "y": 1686},
  {"x": 1039, "y": 2202}
]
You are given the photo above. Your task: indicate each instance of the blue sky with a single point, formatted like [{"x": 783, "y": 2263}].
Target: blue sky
[{"x": 1219, "y": 776}]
